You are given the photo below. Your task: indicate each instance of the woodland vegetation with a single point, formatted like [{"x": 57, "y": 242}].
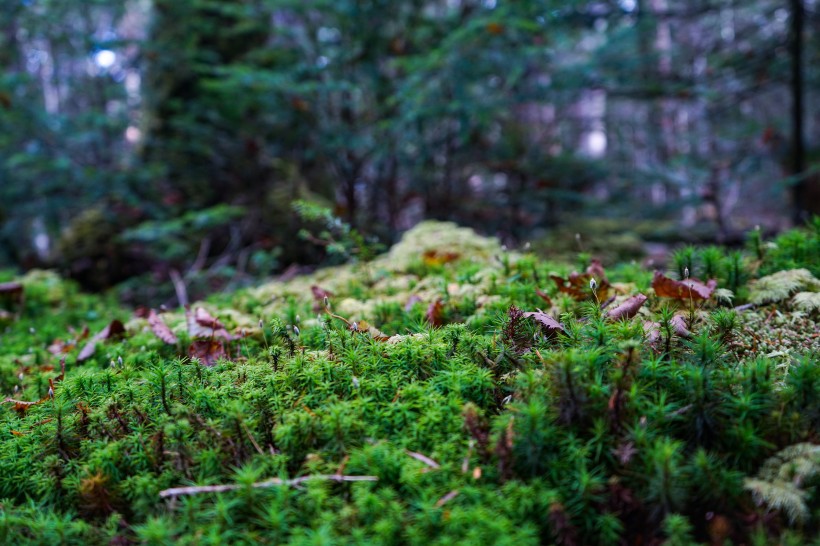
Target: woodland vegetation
[
  {"x": 409, "y": 272},
  {"x": 140, "y": 138},
  {"x": 448, "y": 391}
]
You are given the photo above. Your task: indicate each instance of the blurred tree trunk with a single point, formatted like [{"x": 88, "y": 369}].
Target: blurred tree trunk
[
  {"x": 199, "y": 158},
  {"x": 804, "y": 195}
]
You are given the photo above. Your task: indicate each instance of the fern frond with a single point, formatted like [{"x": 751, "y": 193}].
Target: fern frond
[
  {"x": 779, "y": 481},
  {"x": 779, "y": 495},
  {"x": 807, "y": 301},
  {"x": 781, "y": 285}
]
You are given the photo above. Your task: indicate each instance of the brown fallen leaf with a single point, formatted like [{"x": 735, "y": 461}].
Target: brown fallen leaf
[
  {"x": 653, "y": 329},
  {"x": 115, "y": 328},
  {"x": 363, "y": 327},
  {"x": 60, "y": 347},
  {"x": 628, "y": 308},
  {"x": 201, "y": 324},
  {"x": 208, "y": 351},
  {"x": 161, "y": 329},
  {"x": 320, "y": 296},
  {"x": 439, "y": 257},
  {"x": 682, "y": 290},
  {"x": 434, "y": 312},
  {"x": 679, "y": 326},
  {"x": 544, "y": 296},
  {"x": 577, "y": 284},
  {"x": 549, "y": 324},
  {"x": 652, "y": 332}
]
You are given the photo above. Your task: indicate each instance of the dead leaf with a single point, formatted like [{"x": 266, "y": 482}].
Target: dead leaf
[
  {"x": 577, "y": 284},
  {"x": 62, "y": 370},
  {"x": 208, "y": 351},
  {"x": 679, "y": 326},
  {"x": 652, "y": 332},
  {"x": 365, "y": 328},
  {"x": 547, "y": 322},
  {"x": 201, "y": 324},
  {"x": 161, "y": 329},
  {"x": 115, "y": 328},
  {"x": 438, "y": 257},
  {"x": 494, "y": 28},
  {"x": 321, "y": 297},
  {"x": 411, "y": 301},
  {"x": 60, "y": 347},
  {"x": 544, "y": 296},
  {"x": 319, "y": 293},
  {"x": 653, "y": 329},
  {"x": 627, "y": 309},
  {"x": 434, "y": 312},
  {"x": 682, "y": 290}
]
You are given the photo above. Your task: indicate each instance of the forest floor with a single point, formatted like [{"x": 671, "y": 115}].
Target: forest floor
[{"x": 447, "y": 391}]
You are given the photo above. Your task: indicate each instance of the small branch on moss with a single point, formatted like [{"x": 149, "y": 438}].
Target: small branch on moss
[
  {"x": 251, "y": 438},
  {"x": 273, "y": 482},
  {"x": 423, "y": 458}
]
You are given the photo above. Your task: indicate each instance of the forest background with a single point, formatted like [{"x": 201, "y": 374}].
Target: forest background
[{"x": 142, "y": 141}]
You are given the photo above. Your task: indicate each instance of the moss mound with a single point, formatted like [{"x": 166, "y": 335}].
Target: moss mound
[{"x": 446, "y": 392}]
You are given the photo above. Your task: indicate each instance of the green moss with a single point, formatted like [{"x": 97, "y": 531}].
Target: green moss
[{"x": 480, "y": 428}]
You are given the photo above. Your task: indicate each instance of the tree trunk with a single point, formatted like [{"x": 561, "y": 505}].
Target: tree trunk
[{"x": 798, "y": 159}]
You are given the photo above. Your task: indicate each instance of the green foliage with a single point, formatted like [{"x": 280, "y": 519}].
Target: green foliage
[
  {"x": 176, "y": 239},
  {"x": 794, "y": 249},
  {"x": 340, "y": 240},
  {"x": 485, "y": 428}
]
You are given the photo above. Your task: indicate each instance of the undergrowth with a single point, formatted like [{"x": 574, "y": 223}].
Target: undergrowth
[{"x": 468, "y": 416}]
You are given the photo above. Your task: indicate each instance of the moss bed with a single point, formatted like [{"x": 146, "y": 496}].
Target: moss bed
[{"x": 425, "y": 397}]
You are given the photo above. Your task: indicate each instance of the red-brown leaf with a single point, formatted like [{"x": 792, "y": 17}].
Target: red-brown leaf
[
  {"x": 208, "y": 351},
  {"x": 204, "y": 318},
  {"x": 577, "y": 284},
  {"x": 434, "y": 312},
  {"x": 682, "y": 290},
  {"x": 201, "y": 324},
  {"x": 364, "y": 328},
  {"x": 544, "y": 296},
  {"x": 161, "y": 329},
  {"x": 439, "y": 257},
  {"x": 319, "y": 293},
  {"x": 115, "y": 328},
  {"x": 547, "y": 322},
  {"x": 627, "y": 309},
  {"x": 60, "y": 347},
  {"x": 596, "y": 271},
  {"x": 679, "y": 326}
]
